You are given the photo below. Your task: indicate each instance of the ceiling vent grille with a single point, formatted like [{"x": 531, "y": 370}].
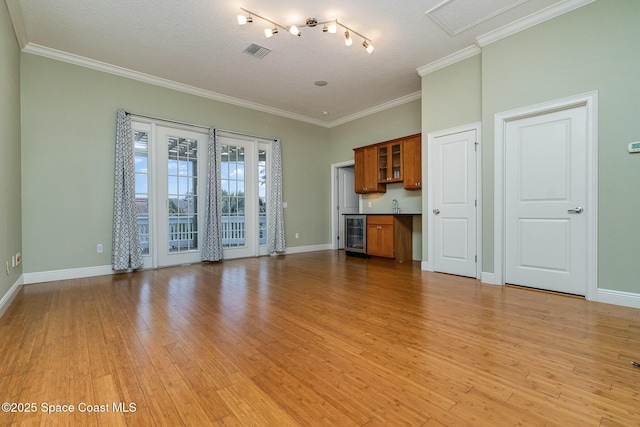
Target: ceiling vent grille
[{"x": 257, "y": 51}]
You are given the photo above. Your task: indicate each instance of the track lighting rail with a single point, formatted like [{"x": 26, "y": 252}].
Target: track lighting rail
[{"x": 329, "y": 26}]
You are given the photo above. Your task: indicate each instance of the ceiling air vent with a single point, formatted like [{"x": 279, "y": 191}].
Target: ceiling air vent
[{"x": 257, "y": 51}]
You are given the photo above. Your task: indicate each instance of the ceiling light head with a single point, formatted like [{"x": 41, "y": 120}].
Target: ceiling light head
[
  {"x": 330, "y": 28},
  {"x": 347, "y": 38},
  {"x": 244, "y": 19},
  {"x": 270, "y": 32},
  {"x": 294, "y": 30},
  {"x": 368, "y": 46}
]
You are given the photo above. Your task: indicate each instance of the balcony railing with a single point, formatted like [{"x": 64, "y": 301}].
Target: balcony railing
[{"x": 183, "y": 232}]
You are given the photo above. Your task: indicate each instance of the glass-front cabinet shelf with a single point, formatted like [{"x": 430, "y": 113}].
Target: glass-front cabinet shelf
[{"x": 390, "y": 162}]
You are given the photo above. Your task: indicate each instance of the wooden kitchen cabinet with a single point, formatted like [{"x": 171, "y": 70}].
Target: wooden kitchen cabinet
[
  {"x": 390, "y": 161},
  {"x": 365, "y": 173},
  {"x": 412, "y": 162},
  {"x": 389, "y": 236}
]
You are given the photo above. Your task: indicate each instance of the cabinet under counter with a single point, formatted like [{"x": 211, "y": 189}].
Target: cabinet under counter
[{"x": 385, "y": 235}]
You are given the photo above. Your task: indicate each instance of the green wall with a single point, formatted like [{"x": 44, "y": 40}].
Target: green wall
[
  {"x": 68, "y": 132},
  {"x": 10, "y": 183},
  {"x": 594, "y": 48},
  {"x": 451, "y": 97}
]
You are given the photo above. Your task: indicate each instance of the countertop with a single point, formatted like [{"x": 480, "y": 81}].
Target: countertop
[{"x": 390, "y": 213}]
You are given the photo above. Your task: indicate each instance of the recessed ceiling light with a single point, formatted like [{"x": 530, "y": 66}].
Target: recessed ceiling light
[{"x": 320, "y": 83}]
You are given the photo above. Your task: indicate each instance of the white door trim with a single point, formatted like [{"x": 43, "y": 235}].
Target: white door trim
[
  {"x": 334, "y": 200},
  {"x": 428, "y": 264},
  {"x": 590, "y": 101}
]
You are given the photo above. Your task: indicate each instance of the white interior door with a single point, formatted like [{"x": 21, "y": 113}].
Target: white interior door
[
  {"x": 180, "y": 171},
  {"x": 545, "y": 197},
  {"x": 348, "y": 200},
  {"x": 454, "y": 203}
]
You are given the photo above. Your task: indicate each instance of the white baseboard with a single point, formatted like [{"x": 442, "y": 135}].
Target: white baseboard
[
  {"x": 70, "y": 273},
  {"x": 314, "y": 248},
  {"x": 105, "y": 270},
  {"x": 426, "y": 266},
  {"x": 489, "y": 278},
  {"x": 626, "y": 299},
  {"x": 8, "y": 298}
]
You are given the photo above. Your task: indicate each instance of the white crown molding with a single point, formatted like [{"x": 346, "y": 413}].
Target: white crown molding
[
  {"x": 15, "y": 13},
  {"x": 387, "y": 105},
  {"x": 158, "y": 81},
  {"x": 530, "y": 21},
  {"x": 458, "y": 56},
  {"x": 169, "y": 84}
]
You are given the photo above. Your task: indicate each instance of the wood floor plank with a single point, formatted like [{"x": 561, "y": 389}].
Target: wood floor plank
[{"x": 316, "y": 339}]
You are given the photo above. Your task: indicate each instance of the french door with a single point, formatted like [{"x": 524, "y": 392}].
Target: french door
[
  {"x": 170, "y": 176},
  {"x": 244, "y": 177},
  {"x": 170, "y": 180},
  {"x": 181, "y": 170}
]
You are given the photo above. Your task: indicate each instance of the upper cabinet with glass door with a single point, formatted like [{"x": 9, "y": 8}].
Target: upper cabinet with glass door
[
  {"x": 397, "y": 160},
  {"x": 390, "y": 161}
]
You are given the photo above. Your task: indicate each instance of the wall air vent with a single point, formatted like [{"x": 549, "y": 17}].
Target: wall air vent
[{"x": 257, "y": 51}]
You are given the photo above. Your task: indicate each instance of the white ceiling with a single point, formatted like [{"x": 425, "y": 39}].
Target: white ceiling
[{"x": 197, "y": 46}]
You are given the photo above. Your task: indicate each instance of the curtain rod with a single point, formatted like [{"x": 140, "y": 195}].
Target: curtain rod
[{"x": 196, "y": 126}]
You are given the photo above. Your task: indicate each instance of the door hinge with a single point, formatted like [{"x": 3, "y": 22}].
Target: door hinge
[
  {"x": 476, "y": 257},
  {"x": 476, "y": 203}
]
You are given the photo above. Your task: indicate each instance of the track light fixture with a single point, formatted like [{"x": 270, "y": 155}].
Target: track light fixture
[{"x": 327, "y": 27}]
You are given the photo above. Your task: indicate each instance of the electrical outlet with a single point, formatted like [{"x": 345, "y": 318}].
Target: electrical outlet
[
  {"x": 13, "y": 261},
  {"x": 7, "y": 268},
  {"x": 99, "y": 248},
  {"x": 297, "y": 235},
  {"x": 18, "y": 258}
]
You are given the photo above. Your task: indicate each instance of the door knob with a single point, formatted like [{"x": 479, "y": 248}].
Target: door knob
[
  {"x": 577, "y": 210},
  {"x": 436, "y": 211}
]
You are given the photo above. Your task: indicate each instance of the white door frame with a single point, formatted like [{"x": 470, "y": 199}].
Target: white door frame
[
  {"x": 429, "y": 264},
  {"x": 334, "y": 200},
  {"x": 588, "y": 100}
]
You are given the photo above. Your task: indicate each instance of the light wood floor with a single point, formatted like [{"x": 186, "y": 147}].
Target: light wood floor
[{"x": 315, "y": 339}]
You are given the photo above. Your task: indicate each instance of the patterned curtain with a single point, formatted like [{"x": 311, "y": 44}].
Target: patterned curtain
[
  {"x": 212, "y": 235},
  {"x": 126, "y": 244},
  {"x": 275, "y": 211}
]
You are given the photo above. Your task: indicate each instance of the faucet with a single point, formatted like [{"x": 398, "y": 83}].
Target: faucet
[{"x": 396, "y": 210}]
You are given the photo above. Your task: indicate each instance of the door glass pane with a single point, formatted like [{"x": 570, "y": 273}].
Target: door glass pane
[
  {"x": 141, "y": 159},
  {"x": 262, "y": 197},
  {"x": 233, "y": 196},
  {"x": 182, "y": 182}
]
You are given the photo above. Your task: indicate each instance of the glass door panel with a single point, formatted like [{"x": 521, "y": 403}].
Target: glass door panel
[
  {"x": 180, "y": 216},
  {"x": 182, "y": 184},
  {"x": 262, "y": 196}
]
